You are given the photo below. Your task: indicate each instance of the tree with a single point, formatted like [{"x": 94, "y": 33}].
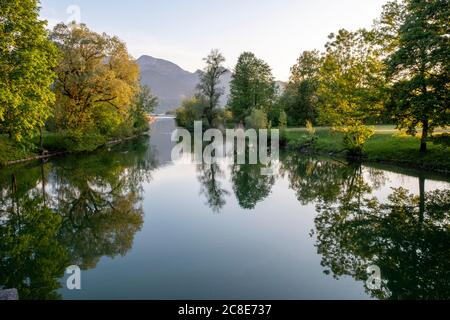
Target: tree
[
  {"x": 419, "y": 68},
  {"x": 209, "y": 83},
  {"x": 97, "y": 81},
  {"x": 191, "y": 110},
  {"x": 145, "y": 103},
  {"x": 252, "y": 86},
  {"x": 257, "y": 120},
  {"x": 300, "y": 97},
  {"x": 27, "y": 58},
  {"x": 352, "y": 85}
]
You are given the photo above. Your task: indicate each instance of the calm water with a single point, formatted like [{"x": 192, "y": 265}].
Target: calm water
[{"x": 142, "y": 227}]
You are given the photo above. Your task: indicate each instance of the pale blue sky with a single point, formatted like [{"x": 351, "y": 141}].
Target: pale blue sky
[{"x": 184, "y": 31}]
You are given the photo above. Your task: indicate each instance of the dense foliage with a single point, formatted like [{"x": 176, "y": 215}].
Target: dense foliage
[
  {"x": 27, "y": 58},
  {"x": 419, "y": 67},
  {"x": 252, "y": 87},
  {"x": 300, "y": 99},
  {"x": 209, "y": 87},
  {"x": 81, "y": 86},
  {"x": 96, "y": 86}
]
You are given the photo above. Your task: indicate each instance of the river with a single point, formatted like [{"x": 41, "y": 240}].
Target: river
[{"x": 140, "y": 226}]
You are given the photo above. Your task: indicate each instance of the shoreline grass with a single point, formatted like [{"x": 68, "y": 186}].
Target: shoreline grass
[
  {"x": 53, "y": 143},
  {"x": 387, "y": 145}
]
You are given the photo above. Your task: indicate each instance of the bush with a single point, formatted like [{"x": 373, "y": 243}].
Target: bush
[
  {"x": 257, "y": 120},
  {"x": 191, "y": 110},
  {"x": 74, "y": 142},
  {"x": 442, "y": 139},
  {"x": 355, "y": 136},
  {"x": 306, "y": 141},
  {"x": 223, "y": 118}
]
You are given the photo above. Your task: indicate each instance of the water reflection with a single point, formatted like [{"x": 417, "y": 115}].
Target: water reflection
[
  {"x": 76, "y": 210},
  {"x": 70, "y": 211},
  {"x": 250, "y": 187},
  {"x": 407, "y": 236},
  {"x": 209, "y": 176}
]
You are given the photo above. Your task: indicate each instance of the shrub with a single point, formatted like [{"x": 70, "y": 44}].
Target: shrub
[
  {"x": 442, "y": 139},
  {"x": 191, "y": 110},
  {"x": 257, "y": 120},
  {"x": 355, "y": 136}
]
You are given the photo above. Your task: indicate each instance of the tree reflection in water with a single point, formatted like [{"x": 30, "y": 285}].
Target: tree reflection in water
[
  {"x": 407, "y": 236},
  {"x": 76, "y": 210},
  {"x": 70, "y": 211},
  {"x": 249, "y": 185},
  {"x": 209, "y": 176}
]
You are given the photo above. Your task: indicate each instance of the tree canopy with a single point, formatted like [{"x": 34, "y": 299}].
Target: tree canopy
[
  {"x": 97, "y": 81},
  {"x": 252, "y": 87},
  {"x": 300, "y": 98},
  {"x": 27, "y": 59},
  {"x": 419, "y": 67},
  {"x": 209, "y": 86}
]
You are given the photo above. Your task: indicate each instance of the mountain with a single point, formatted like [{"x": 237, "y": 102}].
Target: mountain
[{"x": 171, "y": 84}]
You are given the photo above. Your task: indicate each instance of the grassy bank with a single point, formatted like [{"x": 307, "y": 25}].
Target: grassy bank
[
  {"x": 53, "y": 143},
  {"x": 387, "y": 145},
  {"x": 10, "y": 151}
]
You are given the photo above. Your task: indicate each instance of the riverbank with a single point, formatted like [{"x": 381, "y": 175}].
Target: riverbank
[
  {"x": 388, "y": 145},
  {"x": 54, "y": 145}
]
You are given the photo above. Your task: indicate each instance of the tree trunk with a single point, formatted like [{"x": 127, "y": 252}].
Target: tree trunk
[
  {"x": 43, "y": 182},
  {"x": 423, "y": 140},
  {"x": 41, "y": 142},
  {"x": 422, "y": 199}
]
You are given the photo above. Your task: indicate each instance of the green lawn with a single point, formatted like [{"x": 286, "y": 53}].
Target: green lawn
[{"x": 387, "y": 145}]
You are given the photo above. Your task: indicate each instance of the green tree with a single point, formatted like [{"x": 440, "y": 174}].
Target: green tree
[
  {"x": 27, "y": 58},
  {"x": 97, "y": 82},
  {"x": 144, "y": 105},
  {"x": 210, "y": 82},
  {"x": 252, "y": 86},
  {"x": 257, "y": 120},
  {"x": 419, "y": 67},
  {"x": 191, "y": 110},
  {"x": 352, "y": 85},
  {"x": 300, "y": 97}
]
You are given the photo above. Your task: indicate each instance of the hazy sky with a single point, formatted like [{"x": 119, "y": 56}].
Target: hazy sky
[{"x": 184, "y": 31}]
